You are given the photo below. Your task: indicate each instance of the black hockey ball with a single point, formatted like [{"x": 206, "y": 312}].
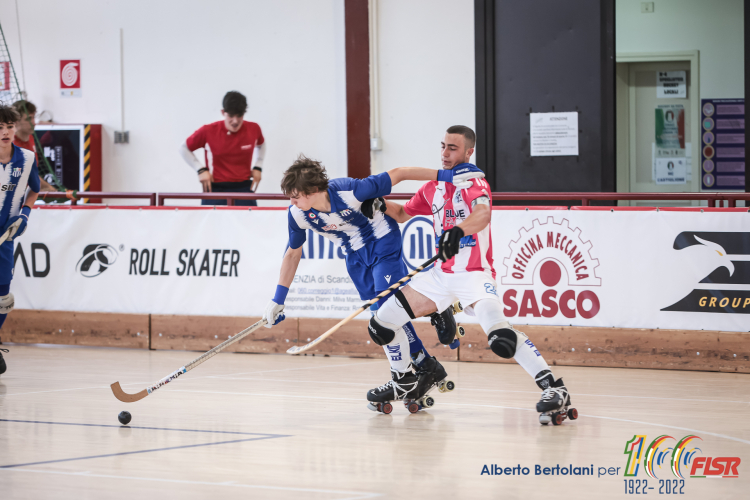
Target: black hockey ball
[{"x": 124, "y": 417}]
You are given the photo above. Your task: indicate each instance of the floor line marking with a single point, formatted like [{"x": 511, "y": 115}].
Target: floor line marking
[
  {"x": 145, "y": 428},
  {"x": 137, "y": 452},
  {"x": 474, "y": 405},
  {"x": 357, "y": 494},
  {"x": 461, "y": 388}
]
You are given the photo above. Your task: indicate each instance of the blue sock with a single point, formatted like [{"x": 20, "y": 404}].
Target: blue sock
[
  {"x": 4, "y": 290},
  {"x": 417, "y": 350}
]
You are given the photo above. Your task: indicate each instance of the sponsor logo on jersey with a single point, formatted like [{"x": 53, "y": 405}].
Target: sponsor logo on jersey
[
  {"x": 344, "y": 213},
  {"x": 96, "y": 259},
  {"x": 330, "y": 227},
  {"x": 716, "y": 266},
  {"x": 8, "y": 187},
  {"x": 247, "y": 146},
  {"x": 388, "y": 278},
  {"x": 551, "y": 273},
  {"x": 418, "y": 242}
]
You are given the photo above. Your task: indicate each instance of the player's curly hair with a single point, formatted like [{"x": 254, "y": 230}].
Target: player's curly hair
[
  {"x": 305, "y": 177},
  {"x": 8, "y": 114}
]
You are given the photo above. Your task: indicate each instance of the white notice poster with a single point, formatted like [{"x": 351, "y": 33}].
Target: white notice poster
[
  {"x": 670, "y": 170},
  {"x": 671, "y": 84},
  {"x": 554, "y": 134}
]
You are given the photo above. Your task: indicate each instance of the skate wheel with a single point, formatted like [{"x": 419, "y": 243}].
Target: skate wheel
[
  {"x": 386, "y": 408},
  {"x": 461, "y": 332},
  {"x": 572, "y": 414},
  {"x": 557, "y": 419},
  {"x": 545, "y": 419},
  {"x": 372, "y": 407},
  {"x": 457, "y": 307},
  {"x": 413, "y": 407},
  {"x": 449, "y": 386},
  {"x": 428, "y": 402}
]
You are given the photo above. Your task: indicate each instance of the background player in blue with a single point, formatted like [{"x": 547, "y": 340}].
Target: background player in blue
[
  {"x": 372, "y": 245},
  {"x": 19, "y": 171}
]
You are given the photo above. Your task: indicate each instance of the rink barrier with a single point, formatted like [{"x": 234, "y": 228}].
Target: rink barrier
[
  {"x": 712, "y": 199},
  {"x": 694, "y": 350}
]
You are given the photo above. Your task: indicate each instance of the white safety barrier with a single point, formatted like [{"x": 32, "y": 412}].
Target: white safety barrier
[{"x": 674, "y": 269}]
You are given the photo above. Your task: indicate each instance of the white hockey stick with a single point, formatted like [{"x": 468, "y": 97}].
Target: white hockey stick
[
  {"x": 298, "y": 349},
  {"x": 132, "y": 398}
]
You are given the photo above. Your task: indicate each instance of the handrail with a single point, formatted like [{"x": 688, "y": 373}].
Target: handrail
[
  {"x": 151, "y": 197},
  {"x": 713, "y": 199}
]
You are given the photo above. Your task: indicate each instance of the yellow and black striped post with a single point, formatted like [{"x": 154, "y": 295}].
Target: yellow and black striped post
[{"x": 86, "y": 159}]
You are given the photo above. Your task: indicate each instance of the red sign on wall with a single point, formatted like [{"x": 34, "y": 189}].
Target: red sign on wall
[{"x": 70, "y": 78}]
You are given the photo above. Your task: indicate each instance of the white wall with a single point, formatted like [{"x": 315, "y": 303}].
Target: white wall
[
  {"x": 426, "y": 53},
  {"x": 287, "y": 56},
  {"x": 181, "y": 56},
  {"x": 714, "y": 27}
]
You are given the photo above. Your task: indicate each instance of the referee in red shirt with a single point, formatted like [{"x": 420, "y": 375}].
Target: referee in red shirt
[{"x": 233, "y": 142}]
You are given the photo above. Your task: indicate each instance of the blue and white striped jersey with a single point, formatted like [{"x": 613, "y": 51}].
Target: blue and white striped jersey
[
  {"x": 15, "y": 176},
  {"x": 345, "y": 224}
]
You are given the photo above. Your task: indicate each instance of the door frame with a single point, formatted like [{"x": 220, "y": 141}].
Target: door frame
[{"x": 623, "y": 154}]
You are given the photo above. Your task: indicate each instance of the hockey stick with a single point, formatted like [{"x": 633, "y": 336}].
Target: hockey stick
[
  {"x": 132, "y": 398},
  {"x": 298, "y": 349}
]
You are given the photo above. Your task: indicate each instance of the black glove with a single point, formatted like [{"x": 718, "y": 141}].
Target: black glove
[
  {"x": 450, "y": 243},
  {"x": 369, "y": 207}
]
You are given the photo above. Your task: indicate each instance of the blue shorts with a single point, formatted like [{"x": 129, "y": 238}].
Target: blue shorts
[
  {"x": 377, "y": 275},
  {"x": 6, "y": 262}
]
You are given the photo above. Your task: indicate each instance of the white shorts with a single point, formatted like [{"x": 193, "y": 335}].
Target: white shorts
[{"x": 444, "y": 288}]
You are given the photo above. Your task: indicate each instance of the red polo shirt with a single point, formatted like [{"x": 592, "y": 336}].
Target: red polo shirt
[
  {"x": 232, "y": 153},
  {"x": 30, "y": 145}
]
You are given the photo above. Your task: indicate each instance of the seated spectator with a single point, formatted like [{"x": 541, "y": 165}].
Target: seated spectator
[{"x": 233, "y": 142}]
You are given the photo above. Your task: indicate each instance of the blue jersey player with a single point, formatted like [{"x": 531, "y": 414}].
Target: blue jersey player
[
  {"x": 371, "y": 242},
  {"x": 19, "y": 172}
]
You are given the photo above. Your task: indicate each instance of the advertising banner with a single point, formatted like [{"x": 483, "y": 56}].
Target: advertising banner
[{"x": 672, "y": 269}]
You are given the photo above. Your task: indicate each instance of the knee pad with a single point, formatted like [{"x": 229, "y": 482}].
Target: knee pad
[
  {"x": 503, "y": 342},
  {"x": 7, "y": 302},
  {"x": 380, "y": 333},
  {"x": 445, "y": 326}
]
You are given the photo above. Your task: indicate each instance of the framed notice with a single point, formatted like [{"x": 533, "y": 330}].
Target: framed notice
[
  {"x": 723, "y": 144},
  {"x": 554, "y": 134}
]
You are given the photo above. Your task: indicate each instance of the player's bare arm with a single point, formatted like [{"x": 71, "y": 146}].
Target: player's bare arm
[
  {"x": 396, "y": 212},
  {"x": 289, "y": 266}
]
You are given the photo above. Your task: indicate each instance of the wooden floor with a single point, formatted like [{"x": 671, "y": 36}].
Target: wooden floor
[{"x": 281, "y": 427}]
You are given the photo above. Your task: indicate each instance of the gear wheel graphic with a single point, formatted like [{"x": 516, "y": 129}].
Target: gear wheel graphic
[{"x": 539, "y": 230}]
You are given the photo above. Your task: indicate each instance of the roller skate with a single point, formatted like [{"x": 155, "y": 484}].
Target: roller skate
[
  {"x": 3, "y": 367},
  {"x": 401, "y": 387},
  {"x": 448, "y": 331},
  {"x": 554, "y": 406},
  {"x": 431, "y": 375}
]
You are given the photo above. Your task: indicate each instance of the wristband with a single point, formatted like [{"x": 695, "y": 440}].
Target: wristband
[
  {"x": 26, "y": 211},
  {"x": 258, "y": 169},
  {"x": 445, "y": 175},
  {"x": 201, "y": 170},
  {"x": 280, "y": 296}
]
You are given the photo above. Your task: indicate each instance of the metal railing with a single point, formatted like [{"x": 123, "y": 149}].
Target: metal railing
[{"x": 714, "y": 199}]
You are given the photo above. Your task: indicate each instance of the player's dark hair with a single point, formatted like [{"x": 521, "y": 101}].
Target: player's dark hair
[
  {"x": 305, "y": 177},
  {"x": 25, "y": 107},
  {"x": 469, "y": 135},
  {"x": 8, "y": 114},
  {"x": 234, "y": 103}
]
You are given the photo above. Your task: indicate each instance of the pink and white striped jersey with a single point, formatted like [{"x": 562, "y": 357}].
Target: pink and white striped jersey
[{"x": 449, "y": 207}]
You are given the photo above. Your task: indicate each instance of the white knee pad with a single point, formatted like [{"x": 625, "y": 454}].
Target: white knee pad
[{"x": 7, "y": 302}]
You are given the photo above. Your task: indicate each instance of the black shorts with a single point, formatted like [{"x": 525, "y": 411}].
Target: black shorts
[{"x": 231, "y": 187}]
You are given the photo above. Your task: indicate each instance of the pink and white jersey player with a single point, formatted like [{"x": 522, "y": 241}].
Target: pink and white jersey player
[
  {"x": 461, "y": 218},
  {"x": 450, "y": 206}
]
